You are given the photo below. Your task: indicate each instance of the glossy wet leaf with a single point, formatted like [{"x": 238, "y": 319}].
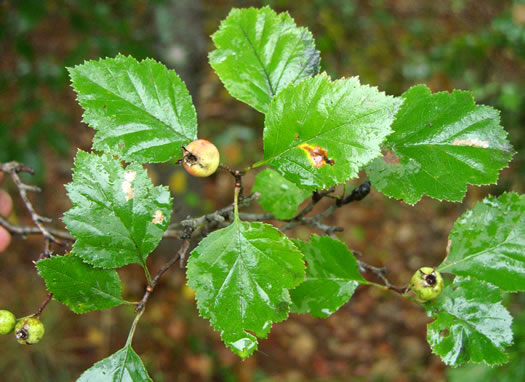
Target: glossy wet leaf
[
  {"x": 488, "y": 243},
  {"x": 80, "y": 286},
  {"x": 123, "y": 366},
  {"x": 141, "y": 110},
  {"x": 471, "y": 324},
  {"x": 241, "y": 276},
  {"x": 118, "y": 216},
  {"x": 279, "y": 196},
  {"x": 441, "y": 143},
  {"x": 319, "y": 133},
  {"x": 332, "y": 276},
  {"x": 259, "y": 52}
]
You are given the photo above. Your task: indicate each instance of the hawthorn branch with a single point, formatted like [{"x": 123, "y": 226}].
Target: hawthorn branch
[
  {"x": 237, "y": 176},
  {"x": 13, "y": 169},
  {"x": 380, "y": 273},
  {"x": 214, "y": 218},
  {"x": 151, "y": 287},
  {"x": 31, "y": 230},
  {"x": 44, "y": 304}
]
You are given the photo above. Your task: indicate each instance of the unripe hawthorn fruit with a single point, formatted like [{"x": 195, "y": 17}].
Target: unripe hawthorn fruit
[
  {"x": 29, "y": 330},
  {"x": 426, "y": 283},
  {"x": 201, "y": 158},
  {"x": 7, "y": 322}
]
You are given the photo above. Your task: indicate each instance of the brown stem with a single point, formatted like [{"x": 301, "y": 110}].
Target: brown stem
[
  {"x": 381, "y": 273},
  {"x": 44, "y": 304},
  {"x": 150, "y": 288},
  {"x": 237, "y": 176}
]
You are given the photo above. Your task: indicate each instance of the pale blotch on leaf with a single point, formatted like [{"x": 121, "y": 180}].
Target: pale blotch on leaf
[
  {"x": 130, "y": 176},
  {"x": 449, "y": 244},
  {"x": 158, "y": 218},
  {"x": 471, "y": 142},
  {"x": 317, "y": 155},
  {"x": 126, "y": 185}
]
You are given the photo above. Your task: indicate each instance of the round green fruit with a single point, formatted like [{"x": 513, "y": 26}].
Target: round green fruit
[
  {"x": 426, "y": 283},
  {"x": 7, "y": 322},
  {"x": 29, "y": 330},
  {"x": 201, "y": 158}
]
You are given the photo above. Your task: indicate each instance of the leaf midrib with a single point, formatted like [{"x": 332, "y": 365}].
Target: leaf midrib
[
  {"x": 322, "y": 133},
  {"x": 256, "y": 54},
  {"x": 169, "y": 127},
  {"x": 476, "y": 254}
]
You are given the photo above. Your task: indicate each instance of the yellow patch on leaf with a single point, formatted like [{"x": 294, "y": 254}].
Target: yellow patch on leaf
[{"x": 317, "y": 155}]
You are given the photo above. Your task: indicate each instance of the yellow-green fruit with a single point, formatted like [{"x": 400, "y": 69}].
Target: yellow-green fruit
[
  {"x": 7, "y": 322},
  {"x": 426, "y": 283},
  {"x": 201, "y": 158},
  {"x": 29, "y": 330}
]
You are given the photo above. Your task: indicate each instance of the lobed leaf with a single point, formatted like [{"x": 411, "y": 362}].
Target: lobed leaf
[
  {"x": 80, "y": 286},
  {"x": 118, "y": 216},
  {"x": 488, "y": 243},
  {"x": 332, "y": 276},
  {"x": 471, "y": 324},
  {"x": 441, "y": 143},
  {"x": 279, "y": 196},
  {"x": 319, "y": 133},
  {"x": 123, "y": 366},
  {"x": 241, "y": 276},
  {"x": 260, "y": 52},
  {"x": 141, "y": 110}
]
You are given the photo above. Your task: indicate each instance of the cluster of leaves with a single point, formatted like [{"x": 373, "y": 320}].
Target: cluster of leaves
[{"x": 318, "y": 133}]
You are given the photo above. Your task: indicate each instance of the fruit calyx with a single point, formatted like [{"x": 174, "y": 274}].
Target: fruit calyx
[
  {"x": 426, "y": 283},
  {"x": 201, "y": 158},
  {"x": 29, "y": 330}
]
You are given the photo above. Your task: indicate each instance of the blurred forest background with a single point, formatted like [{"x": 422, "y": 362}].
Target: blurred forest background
[{"x": 477, "y": 45}]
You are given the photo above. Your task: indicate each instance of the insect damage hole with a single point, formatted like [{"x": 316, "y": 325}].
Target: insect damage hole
[{"x": 317, "y": 155}]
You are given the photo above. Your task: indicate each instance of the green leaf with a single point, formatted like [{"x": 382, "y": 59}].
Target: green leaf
[
  {"x": 241, "y": 275},
  {"x": 118, "y": 216},
  {"x": 123, "y": 366},
  {"x": 332, "y": 276},
  {"x": 278, "y": 195},
  {"x": 141, "y": 110},
  {"x": 488, "y": 243},
  {"x": 441, "y": 143},
  {"x": 80, "y": 286},
  {"x": 319, "y": 133},
  {"x": 260, "y": 52},
  {"x": 471, "y": 324}
]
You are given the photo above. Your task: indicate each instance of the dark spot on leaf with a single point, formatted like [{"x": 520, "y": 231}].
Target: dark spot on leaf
[
  {"x": 317, "y": 155},
  {"x": 105, "y": 106},
  {"x": 444, "y": 333}
]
